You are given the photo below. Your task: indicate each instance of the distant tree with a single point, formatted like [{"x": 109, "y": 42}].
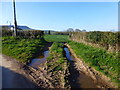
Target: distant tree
[
  {"x": 77, "y": 30},
  {"x": 83, "y": 30},
  {"x": 112, "y": 30},
  {"x": 70, "y": 30},
  {"x": 49, "y": 32}
]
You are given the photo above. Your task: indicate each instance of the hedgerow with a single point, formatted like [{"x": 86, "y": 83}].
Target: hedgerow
[
  {"x": 24, "y": 33},
  {"x": 108, "y": 40}
]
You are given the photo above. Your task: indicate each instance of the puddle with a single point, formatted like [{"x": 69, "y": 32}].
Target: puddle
[
  {"x": 68, "y": 54},
  {"x": 40, "y": 59},
  {"x": 77, "y": 79}
]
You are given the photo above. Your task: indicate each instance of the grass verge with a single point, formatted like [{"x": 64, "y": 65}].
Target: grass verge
[
  {"x": 108, "y": 64},
  {"x": 20, "y": 48}
]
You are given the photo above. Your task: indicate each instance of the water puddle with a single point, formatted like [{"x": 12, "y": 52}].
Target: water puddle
[
  {"x": 78, "y": 79},
  {"x": 39, "y": 60},
  {"x": 68, "y": 54}
]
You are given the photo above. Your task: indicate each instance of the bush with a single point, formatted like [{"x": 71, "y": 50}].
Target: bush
[
  {"x": 108, "y": 40},
  {"x": 24, "y": 33}
]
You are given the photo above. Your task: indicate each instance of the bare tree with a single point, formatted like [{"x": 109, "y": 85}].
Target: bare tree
[
  {"x": 83, "y": 30},
  {"x": 70, "y": 30},
  {"x": 15, "y": 21},
  {"x": 77, "y": 30}
]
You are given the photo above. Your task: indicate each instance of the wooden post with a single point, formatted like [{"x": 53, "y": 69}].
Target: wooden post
[{"x": 15, "y": 21}]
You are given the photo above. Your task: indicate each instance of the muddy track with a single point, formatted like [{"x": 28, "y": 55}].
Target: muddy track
[
  {"x": 32, "y": 77},
  {"x": 23, "y": 75},
  {"x": 101, "y": 80},
  {"x": 41, "y": 79},
  {"x": 13, "y": 75}
]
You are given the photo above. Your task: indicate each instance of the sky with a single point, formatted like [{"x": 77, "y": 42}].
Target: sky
[{"x": 91, "y": 16}]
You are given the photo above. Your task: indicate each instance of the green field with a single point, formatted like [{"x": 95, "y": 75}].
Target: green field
[{"x": 56, "y": 38}]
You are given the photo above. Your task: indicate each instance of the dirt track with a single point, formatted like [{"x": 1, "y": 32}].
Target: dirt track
[{"x": 12, "y": 75}]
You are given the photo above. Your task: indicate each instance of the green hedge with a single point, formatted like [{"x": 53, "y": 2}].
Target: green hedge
[
  {"x": 6, "y": 32},
  {"x": 109, "y": 64},
  {"x": 20, "y": 48},
  {"x": 24, "y": 33},
  {"x": 104, "y": 39},
  {"x": 31, "y": 33}
]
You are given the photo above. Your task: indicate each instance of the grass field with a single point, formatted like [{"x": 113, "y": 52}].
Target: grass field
[{"x": 56, "y": 38}]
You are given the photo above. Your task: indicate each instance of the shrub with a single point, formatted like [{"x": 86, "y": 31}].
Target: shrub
[
  {"x": 24, "y": 33},
  {"x": 108, "y": 40}
]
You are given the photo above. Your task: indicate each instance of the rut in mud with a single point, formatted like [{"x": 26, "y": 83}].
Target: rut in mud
[
  {"x": 40, "y": 57},
  {"x": 76, "y": 78}
]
